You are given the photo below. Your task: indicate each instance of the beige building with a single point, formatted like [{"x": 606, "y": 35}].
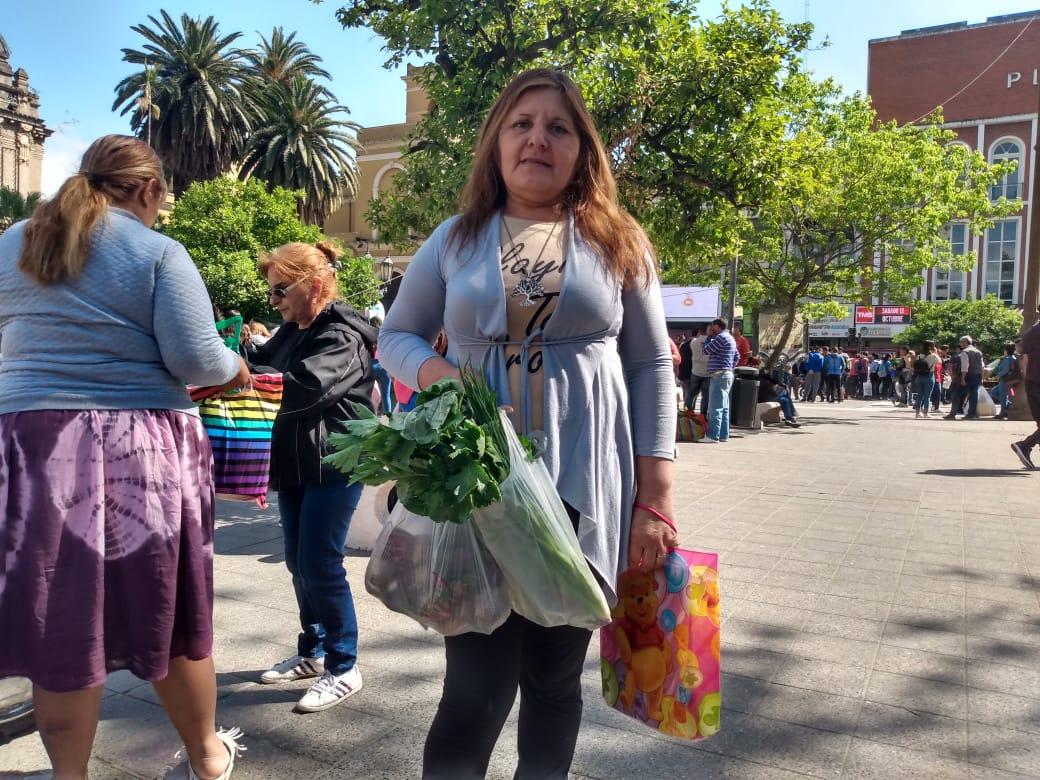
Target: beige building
[
  {"x": 378, "y": 163},
  {"x": 22, "y": 132}
]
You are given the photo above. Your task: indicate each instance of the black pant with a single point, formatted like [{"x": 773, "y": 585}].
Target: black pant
[
  {"x": 480, "y": 683},
  {"x": 875, "y": 386},
  {"x": 1033, "y": 398},
  {"x": 833, "y": 387}
]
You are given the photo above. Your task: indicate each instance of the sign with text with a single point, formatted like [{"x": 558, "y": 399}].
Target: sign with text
[
  {"x": 690, "y": 303},
  {"x": 831, "y": 327},
  {"x": 883, "y": 315}
]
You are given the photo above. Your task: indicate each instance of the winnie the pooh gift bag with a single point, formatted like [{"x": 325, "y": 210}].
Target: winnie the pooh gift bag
[{"x": 660, "y": 655}]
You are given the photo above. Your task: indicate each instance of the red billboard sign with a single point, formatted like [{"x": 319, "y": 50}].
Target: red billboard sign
[{"x": 883, "y": 315}]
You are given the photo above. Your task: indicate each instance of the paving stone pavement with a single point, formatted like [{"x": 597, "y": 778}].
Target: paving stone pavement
[{"x": 882, "y": 619}]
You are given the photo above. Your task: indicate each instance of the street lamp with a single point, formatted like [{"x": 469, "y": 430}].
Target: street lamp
[{"x": 386, "y": 270}]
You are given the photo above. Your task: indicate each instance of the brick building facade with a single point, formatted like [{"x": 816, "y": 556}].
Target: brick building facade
[{"x": 986, "y": 79}]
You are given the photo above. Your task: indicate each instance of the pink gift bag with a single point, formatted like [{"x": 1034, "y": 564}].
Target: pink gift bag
[{"x": 660, "y": 655}]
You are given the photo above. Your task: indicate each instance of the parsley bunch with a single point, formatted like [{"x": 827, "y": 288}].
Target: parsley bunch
[{"x": 449, "y": 455}]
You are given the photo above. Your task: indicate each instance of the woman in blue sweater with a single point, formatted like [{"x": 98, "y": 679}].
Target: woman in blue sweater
[{"x": 106, "y": 479}]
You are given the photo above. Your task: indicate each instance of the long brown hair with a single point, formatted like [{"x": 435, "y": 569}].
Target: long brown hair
[
  {"x": 57, "y": 239},
  {"x": 298, "y": 260},
  {"x": 592, "y": 194}
]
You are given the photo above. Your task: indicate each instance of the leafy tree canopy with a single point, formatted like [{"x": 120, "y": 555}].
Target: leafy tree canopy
[
  {"x": 226, "y": 225},
  {"x": 989, "y": 322},
  {"x": 683, "y": 104},
  {"x": 15, "y": 207}
]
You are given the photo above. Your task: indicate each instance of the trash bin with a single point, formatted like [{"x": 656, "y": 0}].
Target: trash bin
[{"x": 743, "y": 402}]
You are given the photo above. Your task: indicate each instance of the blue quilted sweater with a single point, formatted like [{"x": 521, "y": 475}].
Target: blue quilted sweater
[{"x": 129, "y": 333}]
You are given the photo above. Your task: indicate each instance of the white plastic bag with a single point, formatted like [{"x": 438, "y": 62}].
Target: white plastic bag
[
  {"x": 438, "y": 574},
  {"x": 986, "y": 407},
  {"x": 531, "y": 537}
]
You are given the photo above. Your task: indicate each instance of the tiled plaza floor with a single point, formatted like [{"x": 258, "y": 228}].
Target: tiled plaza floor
[{"x": 882, "y": 619}]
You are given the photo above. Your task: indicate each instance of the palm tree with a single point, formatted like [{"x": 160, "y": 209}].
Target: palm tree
[
  {"x": 204, "y": 112},
  {"x": 283, "y": 58},
  {"x": 15, "y": 207},
  {"x": 301, "y": 144}
]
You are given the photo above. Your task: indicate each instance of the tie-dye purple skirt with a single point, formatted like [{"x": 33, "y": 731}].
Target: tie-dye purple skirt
[{"x": 106, "y": 544}]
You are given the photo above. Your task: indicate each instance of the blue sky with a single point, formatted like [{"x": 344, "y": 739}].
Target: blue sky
[{"x": 71, "y": 50}]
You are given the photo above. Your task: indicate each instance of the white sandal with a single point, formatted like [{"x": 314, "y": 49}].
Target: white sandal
[{"x": 230, "y": 739}]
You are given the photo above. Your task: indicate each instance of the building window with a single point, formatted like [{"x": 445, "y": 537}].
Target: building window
[
  {"x": 1001, "y": 260},
  {"x": 1009, "y": 187},
  {"x": 948, "y": 283}
]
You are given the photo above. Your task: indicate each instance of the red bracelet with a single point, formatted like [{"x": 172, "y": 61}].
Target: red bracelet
[{"x": 666, "y": 520}]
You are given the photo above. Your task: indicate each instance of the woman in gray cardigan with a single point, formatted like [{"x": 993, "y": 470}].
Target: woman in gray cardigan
[{"x": 549, "y": 286}]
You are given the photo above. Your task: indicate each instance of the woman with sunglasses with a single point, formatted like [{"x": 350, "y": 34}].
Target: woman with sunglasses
[{"x": 324, "y": 353}]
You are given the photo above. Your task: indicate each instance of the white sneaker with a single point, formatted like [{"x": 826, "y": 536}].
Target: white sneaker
[
  {"x": 293, "y": 668},
  {"x": 184, "y": 769},
  {"x": 330, "y": 690}
]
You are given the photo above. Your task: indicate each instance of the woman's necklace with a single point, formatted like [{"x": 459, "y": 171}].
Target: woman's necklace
[{"x": 529, "y": 287}]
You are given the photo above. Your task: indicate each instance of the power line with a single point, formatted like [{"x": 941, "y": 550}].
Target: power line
[{"x": 982, "y": 73}]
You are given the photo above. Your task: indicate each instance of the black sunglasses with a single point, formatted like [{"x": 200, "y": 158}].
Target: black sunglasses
[{"x": 279, "y": 291}]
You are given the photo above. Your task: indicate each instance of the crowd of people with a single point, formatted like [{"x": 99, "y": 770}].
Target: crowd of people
[{"x": 107, "y": 542}]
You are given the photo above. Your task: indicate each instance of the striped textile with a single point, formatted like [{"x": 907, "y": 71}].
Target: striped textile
[{"x": 239, "y": 428}]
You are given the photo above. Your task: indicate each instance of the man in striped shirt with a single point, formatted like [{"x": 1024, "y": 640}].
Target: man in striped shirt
[{"x": 721, "y": 349}]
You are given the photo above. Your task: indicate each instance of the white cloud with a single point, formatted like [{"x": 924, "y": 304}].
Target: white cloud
[{"x": 61, "y": 157}]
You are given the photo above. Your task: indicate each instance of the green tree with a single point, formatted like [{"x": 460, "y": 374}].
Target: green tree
[
  {"x": 300, "y": 143},
  {"x": 845, "y": 188},
  {"x": 682, "y": 104},
  {"x": 281, "y": 59},
  {"x": 989, "y": 322},
  {"x": 226, "y": 225},
  {"x": 197, "y": 112},
  {"x": 15, "y": 207}
]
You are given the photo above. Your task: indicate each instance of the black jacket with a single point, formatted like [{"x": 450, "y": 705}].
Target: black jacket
[{"x": 324, "y": 368}]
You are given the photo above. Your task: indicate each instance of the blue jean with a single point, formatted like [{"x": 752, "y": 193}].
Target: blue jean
[
  {"x": 315, "y": 519},
  {"x": 385, "y": 386},
  {"x": 787, "y": 405},
  {"x": 1002, "y": 396},
  {"x": 718, "y": 405},
  {"x": 923, "y": 386},
  {"x": 971, "y": 389}
]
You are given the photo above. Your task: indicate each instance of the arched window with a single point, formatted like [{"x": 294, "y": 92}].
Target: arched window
[{"x": 1010, "y": 186}]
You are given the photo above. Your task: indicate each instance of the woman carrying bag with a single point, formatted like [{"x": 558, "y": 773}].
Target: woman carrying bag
[
  {"x": 324, "y": 353},
  {"x": 546, "y": 285}
]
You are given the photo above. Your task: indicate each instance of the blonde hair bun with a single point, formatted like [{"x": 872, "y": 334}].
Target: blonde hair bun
[{"x": 330, "y": 250}]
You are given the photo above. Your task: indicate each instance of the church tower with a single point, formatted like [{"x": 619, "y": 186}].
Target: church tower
[{"x": 22, "y": 132}]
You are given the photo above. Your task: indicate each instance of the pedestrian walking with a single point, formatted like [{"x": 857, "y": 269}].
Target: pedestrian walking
[
  {"x": 324, "y": 352},
  {"x": 721, "y": 350},
  {"x": 875, "y": 379},
  {"x": 106, "y": 532},
  {"x": 541, "y": 198},
  {"x": 1030, "y": 370}
]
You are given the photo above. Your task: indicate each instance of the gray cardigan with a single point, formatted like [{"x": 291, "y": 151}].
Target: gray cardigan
[
  {"x": 128, "y": 333},
  {"x": 607, "y": 367}
]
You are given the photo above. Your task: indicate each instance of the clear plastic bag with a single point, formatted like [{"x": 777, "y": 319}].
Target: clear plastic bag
[
  {"x": 985, "y": 406},
  {"x": 531, "y": 537},
  {"x": 438, "y": 574}
]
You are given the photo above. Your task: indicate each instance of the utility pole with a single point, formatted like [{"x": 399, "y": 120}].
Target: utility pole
[
  {"x": 1032, "y": 294},
  {"x": 732, "y": 308}
]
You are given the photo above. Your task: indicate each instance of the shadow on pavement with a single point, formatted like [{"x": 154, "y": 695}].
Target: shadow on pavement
[{"x": 975, "y": 472}]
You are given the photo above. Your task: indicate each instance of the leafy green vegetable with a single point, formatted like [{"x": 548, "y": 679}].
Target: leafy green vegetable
[{"x": 448, "y": 455}]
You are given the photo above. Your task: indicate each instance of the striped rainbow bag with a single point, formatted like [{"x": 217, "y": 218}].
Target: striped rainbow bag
[{"x": 239, "y": 427}]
